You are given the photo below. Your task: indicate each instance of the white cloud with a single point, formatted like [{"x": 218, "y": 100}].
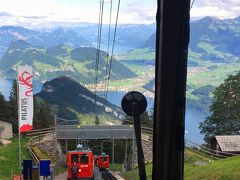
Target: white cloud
[
  {"x": 45, "y": 12},
  {"x": 42, "y": 12},
  {"x": 219, "y": 8}
]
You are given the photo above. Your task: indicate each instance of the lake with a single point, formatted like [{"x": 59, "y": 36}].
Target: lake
[{"x": 192, "y": 116}]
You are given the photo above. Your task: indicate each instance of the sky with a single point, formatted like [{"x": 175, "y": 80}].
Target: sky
[{"x": 34, "y": 13}]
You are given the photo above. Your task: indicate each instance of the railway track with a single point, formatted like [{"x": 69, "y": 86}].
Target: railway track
[{"x": 106, "y": 175}]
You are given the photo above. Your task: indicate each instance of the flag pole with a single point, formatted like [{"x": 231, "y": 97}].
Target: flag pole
[{"x": 19, "y": 134}]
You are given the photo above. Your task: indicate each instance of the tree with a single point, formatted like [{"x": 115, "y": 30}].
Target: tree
[
  {"x": 4, "y": 113},
  {"x": 13, "y": 106},
  {"x": 36, "y": 114},
  {"x": 42, "y": 114},
  {"x": 145, "y": 120},
  {"x": 127, "y": 119},
  {"x": 97, "y": 121},
  {"x": 225, "y": 110}
]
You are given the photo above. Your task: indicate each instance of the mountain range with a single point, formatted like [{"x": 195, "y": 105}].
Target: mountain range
[
  {"x": 211, "y": 39},
  {"x": 39, "y": 38},
  {"x": 213, "y": 54},
  {"x": 129, "y": 36}
]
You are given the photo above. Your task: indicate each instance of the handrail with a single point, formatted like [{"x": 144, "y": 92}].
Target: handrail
[
  {"x": 203, "y": 148},
  {"x": 43, "y": 129},
  {"x": 197, "y": 151},
  {"x": 39, "y": 133},
  {"x": 33, "y": 155},
  {"x": 212, "y": 150},
  {"x": 32, "y": 141},
  {"x": 210, "y": 153}
]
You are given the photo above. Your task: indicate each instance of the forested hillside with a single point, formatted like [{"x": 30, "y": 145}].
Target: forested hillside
[{"x": 49, "y": 63}]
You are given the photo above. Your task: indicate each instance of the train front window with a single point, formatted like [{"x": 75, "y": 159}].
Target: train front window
[
  {"x": 103, "y": 159},
  {"x": 84, "y": 159},
  {"x": 74, "y": 158}
]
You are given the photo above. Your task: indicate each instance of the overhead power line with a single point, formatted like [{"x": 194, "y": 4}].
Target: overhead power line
[
  {"x": 192, "y": 4},
  {"x": 108, "y": 44},
  {"x": 113, "y": 44},
  {"x": 98, "y": 50}
]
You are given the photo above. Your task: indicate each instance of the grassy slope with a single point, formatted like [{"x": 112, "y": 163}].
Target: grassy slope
[
  {"x": 218, "y": 169},
  {"x": 9, "y": 158},
  {"x": 145, "y": 53}
]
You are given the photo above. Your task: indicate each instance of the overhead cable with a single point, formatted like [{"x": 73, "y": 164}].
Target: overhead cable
[
  {"x": 101, "y": 2},
  {"x": 113, "y": 44}
]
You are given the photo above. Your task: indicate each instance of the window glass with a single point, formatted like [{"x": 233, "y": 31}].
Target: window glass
[
  {"x": 103, "y": 159},
  {"x": 74, "y": 158},
  {"x": 84, "y": 159}
]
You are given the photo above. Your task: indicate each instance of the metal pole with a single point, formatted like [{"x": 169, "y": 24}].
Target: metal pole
[
  {"x": 56, "y": 157},
  {"x": 125, "y": 163},
  {"x": 113, "y": 153},
  {"x": 66, "y": 144},
  {"x": 140, "y": 155},
  {"x": 19, "y": 143},
  {"x": 55, "y": 121},
  {"x": 19, "y": 134},
  {"x": 133, "y": 155}
]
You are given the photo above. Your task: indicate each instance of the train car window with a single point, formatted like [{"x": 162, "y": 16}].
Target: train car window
[
  {"x": 84, "y": 159},
  {"x": 74, "y": 158},
  {"x": 103, "y": 159}
]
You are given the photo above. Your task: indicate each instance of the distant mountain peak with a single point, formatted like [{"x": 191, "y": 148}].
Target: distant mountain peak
[
  {"x": 12, "y": 28},
  {"x": 61, "y": 83},
  {"x": 72, "y": 97},
  {"x": 237, "y": 19},
  {"x": 212, "y": 18},
  {"x": 209, "y": 20}
]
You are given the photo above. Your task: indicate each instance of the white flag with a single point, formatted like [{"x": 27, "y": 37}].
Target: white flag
[{"x": 25, "y": 98}]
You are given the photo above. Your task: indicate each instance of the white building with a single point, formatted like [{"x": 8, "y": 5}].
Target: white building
[{"x": 5, "y": 130}]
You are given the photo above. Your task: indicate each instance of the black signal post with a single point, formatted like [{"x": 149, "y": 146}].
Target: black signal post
[{"x": 134, "y": 104}]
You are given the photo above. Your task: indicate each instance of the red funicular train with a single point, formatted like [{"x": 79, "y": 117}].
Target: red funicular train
[
  {"x": 80, "y": 164},
  {"x": 103, "y": 161}
]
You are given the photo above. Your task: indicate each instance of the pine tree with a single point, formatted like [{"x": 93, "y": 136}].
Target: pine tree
[
  {"x": 4, "y": 113},
  {"x": 97, "y": 121},
  {"x": 45, "y": 117},
  {"x": 13, "y": 106},
  {"x": 36, "y": 114}
]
